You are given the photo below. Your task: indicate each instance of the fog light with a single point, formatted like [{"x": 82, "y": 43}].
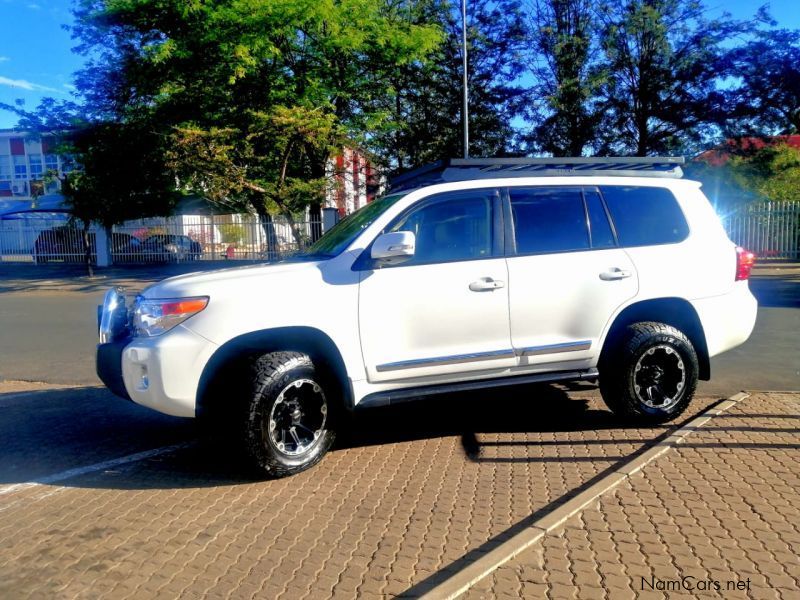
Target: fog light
[{"x": 144, "y": 380}]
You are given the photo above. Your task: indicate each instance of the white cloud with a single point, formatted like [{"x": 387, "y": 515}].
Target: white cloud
[
  {"x": 26, "y": 85},
  {"x": 33, "y": 6},
  {"x": 4, "y": 59}
]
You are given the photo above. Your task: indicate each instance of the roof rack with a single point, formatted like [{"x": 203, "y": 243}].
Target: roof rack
[{"x": 463, "y": 169}]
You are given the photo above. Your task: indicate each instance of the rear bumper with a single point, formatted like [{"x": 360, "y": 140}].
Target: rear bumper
[{"x": 727, "y": 320}]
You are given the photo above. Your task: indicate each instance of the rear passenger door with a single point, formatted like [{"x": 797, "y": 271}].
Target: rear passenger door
[{"x": 567, "y": 275}]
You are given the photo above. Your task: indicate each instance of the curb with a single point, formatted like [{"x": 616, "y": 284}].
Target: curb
[{"x": 464, "y": 579}]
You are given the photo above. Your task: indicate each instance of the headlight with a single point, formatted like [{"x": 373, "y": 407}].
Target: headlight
[{"x": 155, "y": 316}]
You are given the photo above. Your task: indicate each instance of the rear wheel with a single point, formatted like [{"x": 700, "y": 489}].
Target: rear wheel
[
  {"x": 289, "y": 421},
  {"x": 651, "y": 375}
]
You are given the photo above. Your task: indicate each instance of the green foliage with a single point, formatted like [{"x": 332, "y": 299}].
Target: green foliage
[
  {"x": 767, "y": 98},
  {"x": 251, "y": 97},
  {"x": 567, "y": 75},
  {"x": 121, "y": 176},
  {"x": 771, "y": 172},
  {"x": 424, "y": 119},
  {"x": 232, "y": 233},
  {"x": 663, "y": 59}
]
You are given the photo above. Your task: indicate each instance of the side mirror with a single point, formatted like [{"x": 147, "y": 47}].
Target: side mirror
[{"x": 394, "y": 247}]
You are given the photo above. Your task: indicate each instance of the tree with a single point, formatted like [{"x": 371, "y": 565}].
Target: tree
[
  {"x": 566, "y": 76},
  {"x": 663, "y": 60},
  {"x": 767, "y": 98},
  {"x": 251, "y": 97},
  {"x": 425, "y": 108}
]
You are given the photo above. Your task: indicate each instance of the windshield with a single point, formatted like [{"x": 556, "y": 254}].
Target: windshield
[{"x": 345, "y": 231}]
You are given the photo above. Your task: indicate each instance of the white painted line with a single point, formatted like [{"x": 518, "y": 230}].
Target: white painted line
[
  {"x": 101, "y": 466},
  {"x": 460, "y": 582}
]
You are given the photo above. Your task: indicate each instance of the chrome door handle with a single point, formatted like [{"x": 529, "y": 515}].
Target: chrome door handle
[
  {"x": 486, "y": 284},
  {"x": 614, "y": 273}
]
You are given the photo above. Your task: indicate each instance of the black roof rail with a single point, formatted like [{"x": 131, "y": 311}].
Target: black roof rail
[{"x": 464, "y": 169}]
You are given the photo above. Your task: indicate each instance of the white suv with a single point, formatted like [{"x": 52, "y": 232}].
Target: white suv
[{"x": 492, "y": 273}]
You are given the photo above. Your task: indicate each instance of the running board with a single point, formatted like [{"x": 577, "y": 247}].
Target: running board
[{"x": 409, "y": 394}]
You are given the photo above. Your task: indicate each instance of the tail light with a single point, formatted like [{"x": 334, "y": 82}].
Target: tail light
[{"x": 744, "y": 263}]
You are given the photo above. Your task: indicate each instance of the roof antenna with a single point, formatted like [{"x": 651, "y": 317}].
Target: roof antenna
[{"x": 465, "y": 109}]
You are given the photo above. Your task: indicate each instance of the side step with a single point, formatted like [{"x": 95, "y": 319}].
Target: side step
[{"x": 417, "y": 393}]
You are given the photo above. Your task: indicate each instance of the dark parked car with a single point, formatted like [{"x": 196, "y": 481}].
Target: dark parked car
[
  {"x": 168, "y": 247},
  {"x": 66, "y": 244}
]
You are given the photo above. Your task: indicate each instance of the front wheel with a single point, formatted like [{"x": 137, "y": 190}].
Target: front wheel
[
  {"x": 289, "y": 424},
  {"x": 651, "y": 375}
]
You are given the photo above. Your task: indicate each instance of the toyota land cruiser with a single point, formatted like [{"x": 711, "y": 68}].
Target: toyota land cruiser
[{"x": 469, "y": 274}]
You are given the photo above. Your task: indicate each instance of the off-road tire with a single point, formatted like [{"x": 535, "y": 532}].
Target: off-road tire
[
  {"x": 621, "y": 381},
  {"x": 293, "y": 374}
]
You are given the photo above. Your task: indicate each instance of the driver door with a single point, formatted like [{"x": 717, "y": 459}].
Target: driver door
[{"x": 443, "y": 312}]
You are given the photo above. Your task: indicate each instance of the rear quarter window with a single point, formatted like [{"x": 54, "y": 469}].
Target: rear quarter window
[{"x": 645, "y": 216}]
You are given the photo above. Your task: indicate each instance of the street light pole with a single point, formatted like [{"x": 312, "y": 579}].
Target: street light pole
[{"x": 465, "y": 109}]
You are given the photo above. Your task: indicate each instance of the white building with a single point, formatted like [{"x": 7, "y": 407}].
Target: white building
[{"x": 27, "y": 165}]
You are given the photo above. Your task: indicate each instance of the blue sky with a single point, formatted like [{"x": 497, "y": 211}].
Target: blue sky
[{"x": 36, "y": 58}]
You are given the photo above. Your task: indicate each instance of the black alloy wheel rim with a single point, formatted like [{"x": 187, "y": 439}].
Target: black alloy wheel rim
[
  {"x": 659, "y": 377},
  {"x": 297, "y": 418}
]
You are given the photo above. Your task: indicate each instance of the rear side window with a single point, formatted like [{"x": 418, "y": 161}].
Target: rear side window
[
  {"x": 645, "y": 216},
  {"x": 549, "y": 220}
]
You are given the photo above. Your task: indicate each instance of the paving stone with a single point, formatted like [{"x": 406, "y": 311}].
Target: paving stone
[{"x": 720, "y": 513}]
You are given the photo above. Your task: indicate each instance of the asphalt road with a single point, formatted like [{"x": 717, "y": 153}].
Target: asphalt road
[{"x": 50, "y": 336}]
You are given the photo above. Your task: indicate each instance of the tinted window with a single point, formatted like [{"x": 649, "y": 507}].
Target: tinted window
[
  {"x": 645, "y": 216},
  {"x": 549, "y": 220},
  {"x": 599, "y": 227},
  {"x": 345, "y": 231},
  {"x": 456, "y": 228}
]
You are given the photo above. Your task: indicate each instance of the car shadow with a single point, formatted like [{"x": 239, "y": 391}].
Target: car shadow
[{"x": 53, "y": 432}]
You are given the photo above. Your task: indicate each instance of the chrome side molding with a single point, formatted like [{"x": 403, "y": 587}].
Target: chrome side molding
[{"x": 475, "y": 356}]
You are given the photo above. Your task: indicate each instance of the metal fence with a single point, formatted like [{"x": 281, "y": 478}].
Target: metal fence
[
  {"x": 39, "y": 240},
  {"x": 180, "y": 238},
  {"x": 770, "y": 229},
  {"x": 194, "y": 237}
]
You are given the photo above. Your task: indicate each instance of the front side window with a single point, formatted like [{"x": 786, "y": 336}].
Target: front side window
[
  {"x": 451, "y": 228},
  {"x": 348, "y": 229},
  {"x": 548, "y": 220},
  {"x": 645, "y": 216}
]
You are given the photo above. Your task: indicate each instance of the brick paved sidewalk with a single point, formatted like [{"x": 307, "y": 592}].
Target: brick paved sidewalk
[
  {"x": 720, "y": 510},
  {"x": 410, "y": 496}
]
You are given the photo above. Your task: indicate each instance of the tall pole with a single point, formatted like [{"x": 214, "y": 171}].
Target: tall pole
[{"x": 465, "y": 109}]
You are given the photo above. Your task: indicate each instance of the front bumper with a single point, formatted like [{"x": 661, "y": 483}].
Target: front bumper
[
  {"x": 109, "y": 366},
  {"x": 161, "y": 372}
]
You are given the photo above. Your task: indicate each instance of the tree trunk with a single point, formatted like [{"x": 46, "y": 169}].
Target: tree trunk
[
  {"x": 296, "y": 234},
  {"x": 268, "y": 226},
  {"x": 87, "y": 251}
]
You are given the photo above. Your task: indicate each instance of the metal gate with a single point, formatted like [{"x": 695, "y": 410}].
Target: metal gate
[
  {"x": 41, "y": 241},
  {"x": 770, "y": 229}
]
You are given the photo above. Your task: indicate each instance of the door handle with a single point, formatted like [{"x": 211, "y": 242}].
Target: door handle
[
  {"x": 486, "y": 284},
  {"x": 615, "y": 273}
]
